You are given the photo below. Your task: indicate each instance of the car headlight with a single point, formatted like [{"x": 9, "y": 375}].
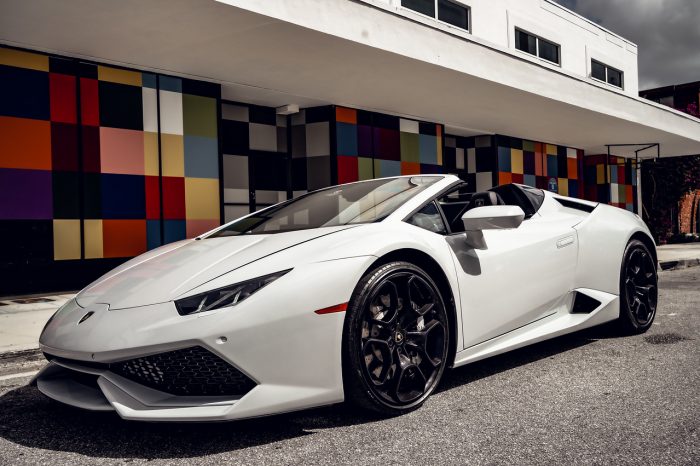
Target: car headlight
[{"x": 226, "y": 296}]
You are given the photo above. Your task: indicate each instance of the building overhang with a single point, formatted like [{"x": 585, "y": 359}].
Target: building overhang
[{"x": 278, "y": 52}]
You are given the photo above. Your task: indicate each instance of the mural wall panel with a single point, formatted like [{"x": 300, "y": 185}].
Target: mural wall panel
[{"x": 82, "y": 150}]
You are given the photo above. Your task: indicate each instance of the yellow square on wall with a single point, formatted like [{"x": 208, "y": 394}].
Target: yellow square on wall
[
  {"x": 173, "y": 154},
  {"x": 150, "y": 153},
  {"x": 516, "y": 161},
  {"x": 93, "y": 239},
  {"x": 21, "y": 59},
  {"x": 201, "y": 198},
  {"x": 66, "y": 239}
]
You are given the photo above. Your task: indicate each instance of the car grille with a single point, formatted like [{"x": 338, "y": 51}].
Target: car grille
[{"x": 186, "y": 372}]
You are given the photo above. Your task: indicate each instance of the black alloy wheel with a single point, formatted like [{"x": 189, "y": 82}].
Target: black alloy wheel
[
  {"x": 396, "y": 339},
  {"x": 638, "y": 289}
]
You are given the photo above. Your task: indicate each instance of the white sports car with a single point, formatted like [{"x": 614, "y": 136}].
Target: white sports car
[{"x": 363, "y": 292}]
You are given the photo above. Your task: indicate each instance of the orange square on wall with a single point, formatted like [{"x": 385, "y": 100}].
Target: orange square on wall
[
  {"x": 25, "y": 143},
  {"x": 538, "y": 164},
  {"x": 123, "y": 238},
  {"x": 346, "y": 115},
  {"x": 504, "y": 178},
  {"x": 410, "y": 168},
  {"x": 629, "y": 196},
  {"x": 572, "y": 168}
]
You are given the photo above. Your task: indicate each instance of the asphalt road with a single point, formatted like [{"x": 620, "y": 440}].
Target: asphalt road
[{"x": 586, "y": 398}]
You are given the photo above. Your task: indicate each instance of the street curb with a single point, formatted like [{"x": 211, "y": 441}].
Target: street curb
[
  {"x": 19, "y": 354},
  {"x": 679, "y": 264}
]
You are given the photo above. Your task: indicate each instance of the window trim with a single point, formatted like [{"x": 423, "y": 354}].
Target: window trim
[
  {"x": 538, "y": 38},
  {"x": 607, "y": 67},
  {"x": 436, "y": 204},
  {"x": 402, "y": 8}
]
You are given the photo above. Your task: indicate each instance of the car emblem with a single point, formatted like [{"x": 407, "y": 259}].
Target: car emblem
[
  {"x": 85, "y": 317},
  {"x": 398, "y": 338}
]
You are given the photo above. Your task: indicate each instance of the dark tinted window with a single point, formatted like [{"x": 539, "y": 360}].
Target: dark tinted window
[
  {"x": 429, "y": 218},
  {"x": 549, "y": 51},
  {"x": 614, "y": 77},
  {"x": 529, "y": 199},
  {"x": 364, "y": 202},
  {"x": 427, "y": 7},
  {"x": 453, "y": 13},
  {"x": 598, "y": 70},
  {"x": 525, "y": 42}
]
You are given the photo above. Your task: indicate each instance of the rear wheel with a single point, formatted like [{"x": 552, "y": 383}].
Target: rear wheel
[
  {"x": 396, "y": 339},
  {"x": 638, "y": 289}
]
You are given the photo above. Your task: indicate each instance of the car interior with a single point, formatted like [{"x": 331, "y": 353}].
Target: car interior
[{"x": 459, "y": 200}]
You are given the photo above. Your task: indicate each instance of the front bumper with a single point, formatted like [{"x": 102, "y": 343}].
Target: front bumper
[{"x": 291, "y": 355}]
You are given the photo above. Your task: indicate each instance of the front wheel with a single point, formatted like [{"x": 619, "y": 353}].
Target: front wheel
[
  {"x": 638, "y": 289},
  {"x": 396, "y": 339}
]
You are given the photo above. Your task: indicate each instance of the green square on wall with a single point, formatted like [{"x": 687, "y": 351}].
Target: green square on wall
[
  {"x": 528, "y": 145},
  {"x": 199, "y": 115},
  {"x": 410, "y": 147},
  {"x": 365, "y": 168}
]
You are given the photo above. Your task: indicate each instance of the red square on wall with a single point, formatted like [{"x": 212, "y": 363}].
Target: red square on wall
[
  {"x": 173, "y": 198},
  {"x": 152, "y": 198},
  {"x": 62, "y": 96},
  {"x": 123, "y": 238},
  {"x": 89, "y": 102},
  {"x": 347, "y": 169}
]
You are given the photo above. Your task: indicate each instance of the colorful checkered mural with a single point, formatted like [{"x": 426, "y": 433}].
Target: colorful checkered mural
[
  {"x": 312, "y": 159},
  {"x": 487, "y": 161},
  {"x": 374, "y": 145},
  {"x": 255, "y": 158},
  {"x": 98, "y": 162},
  {"x": 613, "y": 182}
]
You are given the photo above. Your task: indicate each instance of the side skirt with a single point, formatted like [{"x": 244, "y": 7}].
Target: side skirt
[{"x": 553, "y": 325}]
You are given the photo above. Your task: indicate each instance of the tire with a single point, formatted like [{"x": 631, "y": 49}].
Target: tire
[
  {"x": 638, "y": 289},
  {"x": 394, "y": 355}
]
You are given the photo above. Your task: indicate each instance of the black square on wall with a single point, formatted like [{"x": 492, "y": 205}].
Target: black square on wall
[{"x": 121, "y": 106}]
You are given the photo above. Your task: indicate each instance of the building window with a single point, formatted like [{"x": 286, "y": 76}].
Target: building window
[
  {"x": 449, "y": 12},
  {"x": 605, "y": 73},
  {"x": 537, "y": 46}
]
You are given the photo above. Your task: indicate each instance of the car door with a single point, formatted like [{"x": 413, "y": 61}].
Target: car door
[{"x": 523, "y": 275}]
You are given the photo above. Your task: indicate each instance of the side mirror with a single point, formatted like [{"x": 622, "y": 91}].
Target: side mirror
[{"x": 495, "y": 217}]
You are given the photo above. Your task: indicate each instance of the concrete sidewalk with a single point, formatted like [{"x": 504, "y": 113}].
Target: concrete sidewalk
[
  {"x": 673, "y": 256},
  {"x": 21, "y": 319}
]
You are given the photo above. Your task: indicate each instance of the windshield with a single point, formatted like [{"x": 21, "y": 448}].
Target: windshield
[{"x": 364, "y": 202}]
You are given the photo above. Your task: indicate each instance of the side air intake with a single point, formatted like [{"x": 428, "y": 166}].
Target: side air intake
[
  {"x": 575, "y": 205},
  {"x": 584, "y": 304}
]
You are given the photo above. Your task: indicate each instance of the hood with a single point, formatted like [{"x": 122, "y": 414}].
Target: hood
[{"x": 165, "y": 273}]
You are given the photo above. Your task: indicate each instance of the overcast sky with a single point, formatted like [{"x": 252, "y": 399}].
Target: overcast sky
[{"x": 666, "y": 31}]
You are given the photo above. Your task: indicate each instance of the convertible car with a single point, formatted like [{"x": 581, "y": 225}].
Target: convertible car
[{"x": 364, "y": 292}]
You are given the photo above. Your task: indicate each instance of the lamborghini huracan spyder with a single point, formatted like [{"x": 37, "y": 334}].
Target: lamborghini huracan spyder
[{"x": 363, "y": 292}]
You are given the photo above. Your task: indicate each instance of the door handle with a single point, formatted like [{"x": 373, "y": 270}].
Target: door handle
[{"x": 565, "y": 241}]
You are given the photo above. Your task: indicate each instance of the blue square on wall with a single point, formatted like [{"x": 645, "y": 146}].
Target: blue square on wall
[
  {"x": 174, "y": 230},
  {"x": 428, "y": 149},
  {"x": 552, "y": 166},
  {"x": 152, "y": 234},
  {"x": 504, "y": 159},
  {"x": 347, "y": 139},
  {"x": 530, "y": 180},
  {"x": 123, "y": 196}
]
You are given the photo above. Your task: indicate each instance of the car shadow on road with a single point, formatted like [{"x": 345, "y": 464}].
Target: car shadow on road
[
  {"x": 30, "y": 419},
  {"x": 526, "y": 355}
]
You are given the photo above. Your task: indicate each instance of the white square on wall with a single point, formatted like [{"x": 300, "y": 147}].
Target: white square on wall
[
  {"x": 171, "y": 112},
  {"x": 484, "y": 181}
]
